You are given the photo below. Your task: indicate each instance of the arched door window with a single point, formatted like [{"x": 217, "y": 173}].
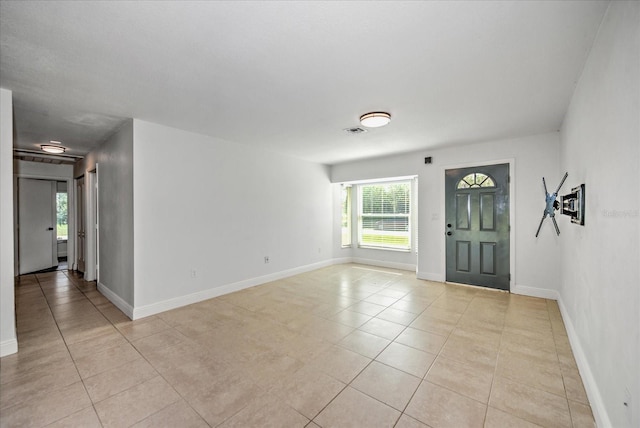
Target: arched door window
[{"x": 475, "y": 180}]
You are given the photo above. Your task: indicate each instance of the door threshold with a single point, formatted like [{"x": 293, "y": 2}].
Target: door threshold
[{"x": 478, "y": 286}]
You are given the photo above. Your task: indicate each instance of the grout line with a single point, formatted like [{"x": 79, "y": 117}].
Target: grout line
[
  {"x": 374, "y": 359},
  {"x": 151, "y": 365},
  {"x": 334, "y": 293},
  {"x": 67, "y": 346}
]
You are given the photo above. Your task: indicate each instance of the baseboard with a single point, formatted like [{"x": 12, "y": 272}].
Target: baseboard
[
  {"x": 543, "y": 293},
  {"x": 342, "y": 260},
  {"x": 593, "y": 393},
  {"x": 595, "y": 399},
  {"x": 126, "y": 308},
  {"x": 177, "y": 302},
  {"x": 382, "y": 263},
  {"x": 430, "y": 276},
  {"x": 8, "y": 347}
]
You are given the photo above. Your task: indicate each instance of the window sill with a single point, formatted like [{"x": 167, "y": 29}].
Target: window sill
[{"x": 397, "y": 250}]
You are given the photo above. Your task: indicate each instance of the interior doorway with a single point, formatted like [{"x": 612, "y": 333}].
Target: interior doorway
[
  {"x": 87, "y": 225},
  {"x": 477, "y": 226},
  {"x": 91, "y": 227}
]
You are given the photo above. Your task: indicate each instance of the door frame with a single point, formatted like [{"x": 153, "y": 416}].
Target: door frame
[
  {"x": 71, "y": 248},
  {"x": 91, "y": 221},
  {"x": 512, "y": 213}
]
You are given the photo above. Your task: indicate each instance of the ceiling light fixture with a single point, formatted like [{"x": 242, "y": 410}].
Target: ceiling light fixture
[
  {"x": 375, "y": 119},
  {"x": 56, "y": 150}
]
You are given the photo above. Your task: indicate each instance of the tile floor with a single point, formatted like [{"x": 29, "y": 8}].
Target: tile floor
[{"x": 344, "y": 346}]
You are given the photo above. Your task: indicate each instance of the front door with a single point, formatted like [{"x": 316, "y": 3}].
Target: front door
[
  {"x": 36, "y": 225},
  {"x": 477, "y": 225}
]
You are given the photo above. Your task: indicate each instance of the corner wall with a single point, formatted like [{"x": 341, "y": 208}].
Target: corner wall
[
  {"x": 600, "y": 293},
  {"x": 8, "y": 338},
  {"x": 115, "y": 212},
  {"x": 208, "y": 211},
  {"x": 536, "y": 260}
]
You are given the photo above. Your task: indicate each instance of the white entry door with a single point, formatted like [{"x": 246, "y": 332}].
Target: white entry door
[{"x": 37, "y": 222}]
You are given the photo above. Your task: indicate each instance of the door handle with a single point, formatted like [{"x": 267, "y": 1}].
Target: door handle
[
  {"x": 449, "y": 233},
  {"x": 51, "y": 228}
]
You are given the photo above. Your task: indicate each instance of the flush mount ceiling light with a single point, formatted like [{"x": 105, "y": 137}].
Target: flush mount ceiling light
[
  {"x": 375, "y": 119},
  {"x": 56, "y": 150}
]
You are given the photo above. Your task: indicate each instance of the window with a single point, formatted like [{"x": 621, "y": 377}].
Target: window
[
  {"x": 62, "y": 216},
  {"x": 384, "y": 214},
  {"x": 475, "y": 179},
  {"x": 346, "y": 215}
]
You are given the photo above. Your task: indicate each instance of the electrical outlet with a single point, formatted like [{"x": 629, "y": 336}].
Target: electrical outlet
[
  {"x": 194, "y": 273},
  {"x": 266, "y": 259}
]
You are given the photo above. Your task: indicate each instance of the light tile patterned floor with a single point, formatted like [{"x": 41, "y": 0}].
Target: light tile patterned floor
[{"x": 343, "y": 346}]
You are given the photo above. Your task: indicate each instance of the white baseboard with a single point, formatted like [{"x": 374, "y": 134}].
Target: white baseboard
[
  {"x": 543, "y": 293},
  {"x": 116, "y": 300},
  {"x": 176, "y": 302},
  {"x": 593, "y": 393},
  {"x": 430, "y": 276},
  {"x": 382, "y": 263},
  {"x": 8, "y": 347},
  {"x": 342, "y": 260}
]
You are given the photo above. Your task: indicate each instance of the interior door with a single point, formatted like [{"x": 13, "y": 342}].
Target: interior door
[
  {"x": 36, "y": 225},
  {"x": 477, "y": 225},
  {"x": 80, "y": 223}
]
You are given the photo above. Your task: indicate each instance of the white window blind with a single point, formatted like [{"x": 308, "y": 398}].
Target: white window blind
[{"x": 384, "y": 215}]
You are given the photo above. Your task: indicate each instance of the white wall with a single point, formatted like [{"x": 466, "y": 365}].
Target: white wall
[
  {"x": 43, "y": 170},
  {"x": 115, "y": 209},
  {"x": 537, "y": 265},
  {"x": 600, "y": 278},
  {"x": 219, "y": 208},
  {"x": 8, "y": 340}
]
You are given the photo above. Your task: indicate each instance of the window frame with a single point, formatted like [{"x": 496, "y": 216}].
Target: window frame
[
  {"x": 346, "y": 209},
  {"x": 487, "y": 182},
  {"x": 409, "y": 182},
  {"x": 62, "y": 238}
]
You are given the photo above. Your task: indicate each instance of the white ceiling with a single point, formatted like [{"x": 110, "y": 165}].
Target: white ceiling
[{"x": 290, "y": 76}]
